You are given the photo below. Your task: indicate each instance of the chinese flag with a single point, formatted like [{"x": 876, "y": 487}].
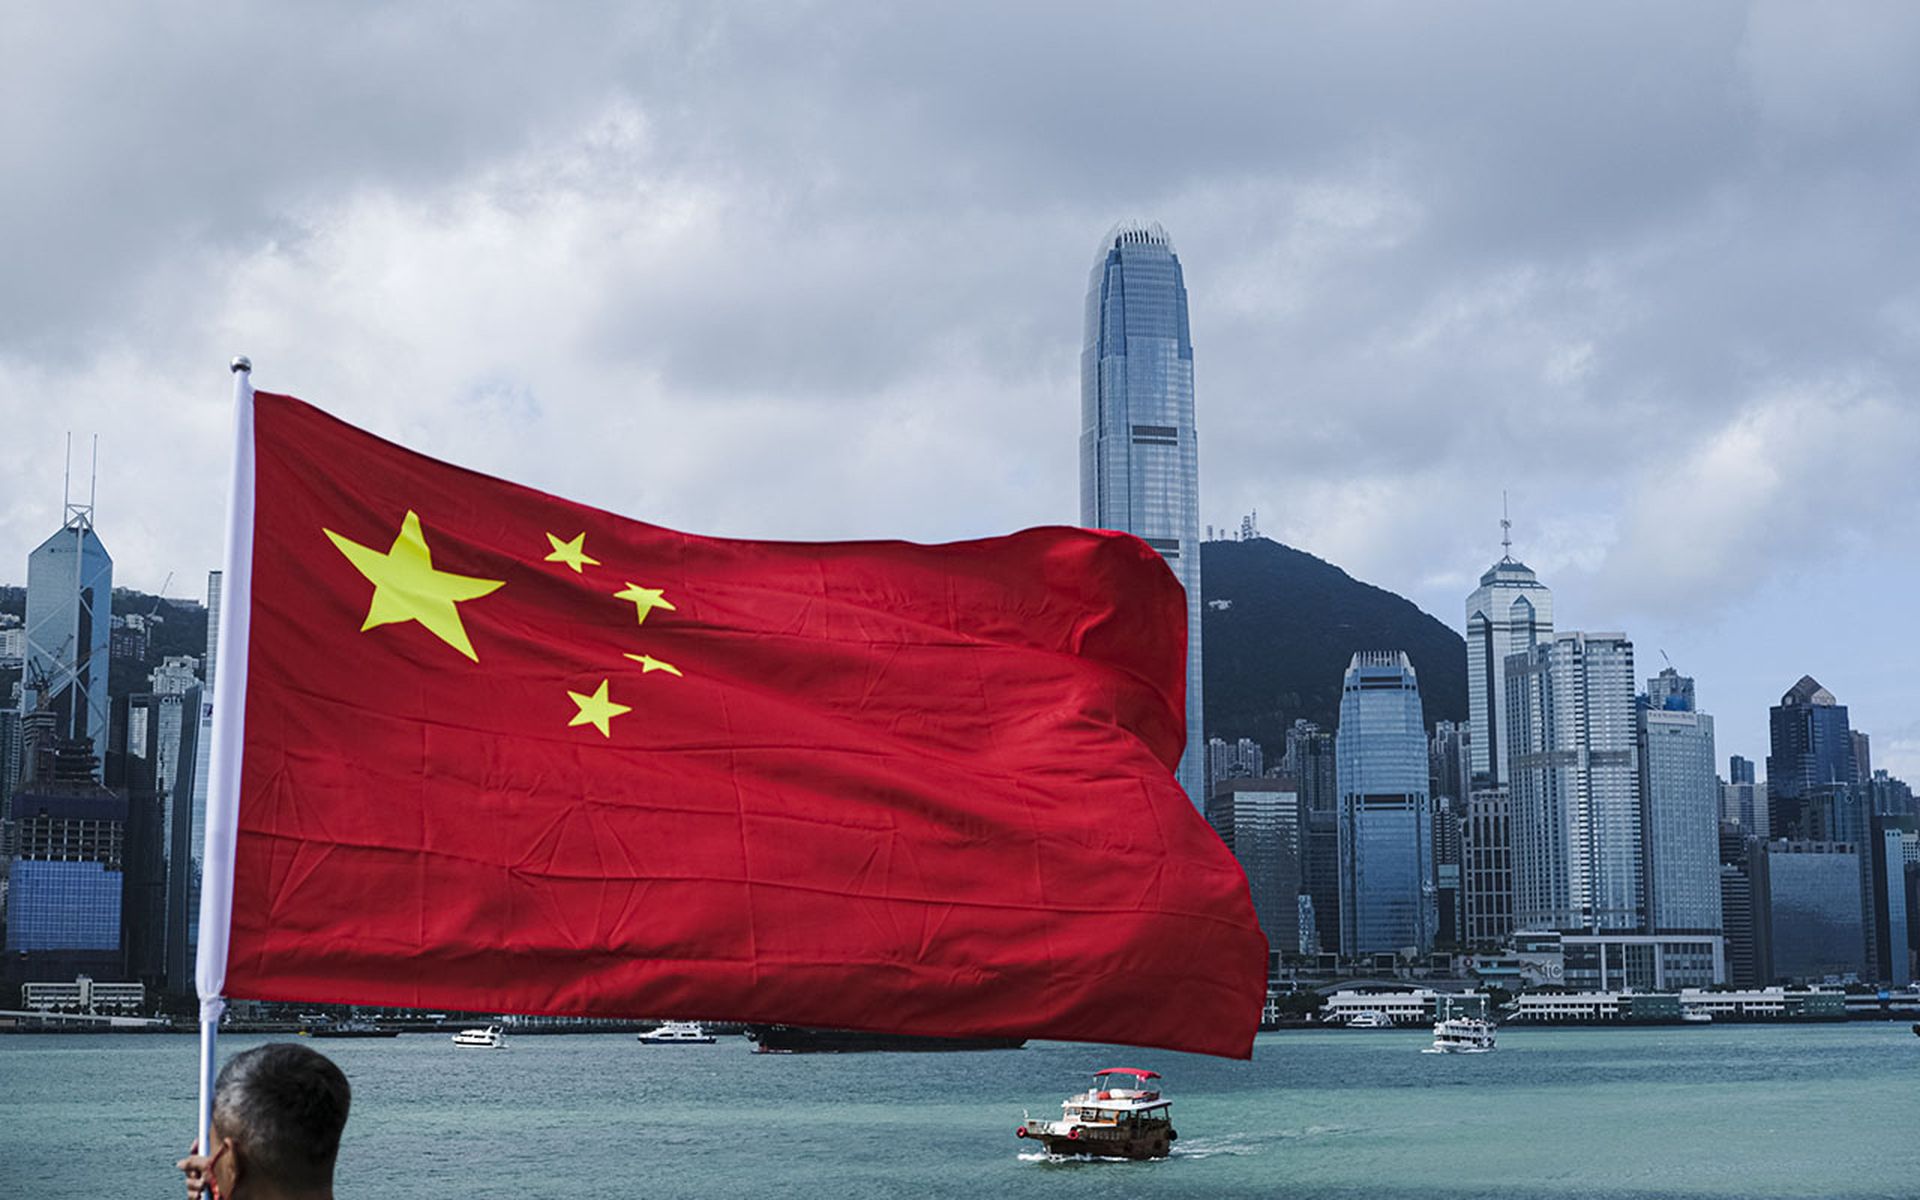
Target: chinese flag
[{"x": 507, "y": 753}]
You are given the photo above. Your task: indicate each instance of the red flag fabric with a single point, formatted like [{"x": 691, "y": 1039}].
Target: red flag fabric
[{"x": 508, "y": 753}]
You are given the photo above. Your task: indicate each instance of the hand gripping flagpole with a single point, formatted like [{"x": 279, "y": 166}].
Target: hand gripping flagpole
[{"x": 229, "y": 713}]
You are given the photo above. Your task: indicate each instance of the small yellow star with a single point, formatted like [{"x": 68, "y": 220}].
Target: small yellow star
[
  {"x": 573, "y": 553},
  {"x": 406, "y": 587},
  {"x": 649, "y": 664},
  {"x": 598, "y": 711},
  {"x": 646, "y": 599}
]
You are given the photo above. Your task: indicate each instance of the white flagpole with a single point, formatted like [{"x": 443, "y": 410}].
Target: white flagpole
[{"x": 229, "y": 713}]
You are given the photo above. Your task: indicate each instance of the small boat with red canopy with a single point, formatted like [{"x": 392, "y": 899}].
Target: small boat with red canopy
[{"x": 1121, "y": 1115}]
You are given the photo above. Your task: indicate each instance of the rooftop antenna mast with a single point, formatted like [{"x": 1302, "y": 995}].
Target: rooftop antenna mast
[{"x": 1506, "y": 530}]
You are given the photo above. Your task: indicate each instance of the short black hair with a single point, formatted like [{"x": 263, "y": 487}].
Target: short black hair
[{"x": 284, "y": 1106}]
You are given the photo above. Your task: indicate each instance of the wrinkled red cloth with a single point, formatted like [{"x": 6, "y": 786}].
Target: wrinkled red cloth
[{"x": 867, "y": 785}]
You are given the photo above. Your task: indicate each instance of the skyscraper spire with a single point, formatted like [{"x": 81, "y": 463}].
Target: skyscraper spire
[{"x": 1506, "y": 530}]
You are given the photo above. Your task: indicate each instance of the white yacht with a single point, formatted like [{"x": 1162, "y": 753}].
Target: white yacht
[
  {"x": 1369, "y": 1019},
  {"x": 677, "y": 1033},
  {"x": 490, "y": 1038},
  {"x": 1462, "y": 1035}
]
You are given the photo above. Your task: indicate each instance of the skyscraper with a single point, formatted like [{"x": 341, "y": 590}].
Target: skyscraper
[
  {"x": 1679, "y": 809},
  {"x": 1387, "y": 900},
  {"x": 1809, "y": 900},
  {"x": 1571, "y": 733},
  {"x": 1486, "y": 849},
  {"x": 1262, "y": 822},
  {"x": 1811, "y": 749},
  {"x": 69, "y": 625},
  {"x": 1742, "y": 801},
  {"x": 1139, "y": 458},
  {"x": 1509, "y": 613},
  {"x": 202, "y": 769}
]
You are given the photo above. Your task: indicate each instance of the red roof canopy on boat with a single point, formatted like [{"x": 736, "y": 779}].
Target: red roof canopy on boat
[{"x": 1134, "y": 1071}]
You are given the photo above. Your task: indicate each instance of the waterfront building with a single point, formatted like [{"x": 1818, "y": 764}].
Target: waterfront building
[
  {"x": 1139, "y": 456},
  {"x": 1509, "y": 613},
  {"x": 1808, "y": 901},
  {"x": 1811, "y": 749},
  {"x": 1619, "y": 961},
  {"x": 85, "y": 995},
  {"x": 66, "y": 876},
  {"x": 1261, "y": 821},
  {"x": 1415, "y": 1006},
  {"x": 1572, "y": 745},
  {"x": 68, "y": 630},
  {"x": 1486, "y": 850},
  {"x": 1310, "y": 758},
  {"x": 1679, "y": 809},
  {"x": 1387, "y": 902}
]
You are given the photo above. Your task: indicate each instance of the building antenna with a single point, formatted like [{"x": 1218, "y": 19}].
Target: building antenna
[
  {"x": 1506, "y": 530},
  {"x": 66, "y": 481},
  {"x": 93, "y": 474}
]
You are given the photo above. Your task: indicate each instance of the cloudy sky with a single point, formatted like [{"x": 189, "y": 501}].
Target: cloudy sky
[{"x": 816, "y": 271}]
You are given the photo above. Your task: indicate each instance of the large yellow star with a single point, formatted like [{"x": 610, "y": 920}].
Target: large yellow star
[
  {"x": 646, "y": 599},
  {"x": 406, "y": 587},
  {"x": 596, "y": 710},
  {"x": 573, "y": 553}
]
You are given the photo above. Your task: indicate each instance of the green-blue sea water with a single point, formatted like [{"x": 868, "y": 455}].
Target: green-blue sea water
[{"x": 1780, "y": 1111}]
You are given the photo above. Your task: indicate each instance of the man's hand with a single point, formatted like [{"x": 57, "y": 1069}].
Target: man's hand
[{"x": 195, "y": 1167}]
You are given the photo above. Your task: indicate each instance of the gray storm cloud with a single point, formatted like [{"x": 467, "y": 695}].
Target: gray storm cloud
[{"x": 816, "y": 271}]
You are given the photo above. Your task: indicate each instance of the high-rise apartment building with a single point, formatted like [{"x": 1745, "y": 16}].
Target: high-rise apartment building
[
  {"x": 1450, "y": 760},
  {"x": 1679, "y": 810},
  {"x": 1811, "y": 749},
  {"x": 1387, "y": 900},
  {"x": 1243, "y": 759},
  {"x": 1449, "y": 818},
  {"x": 1509, "y": 613},
  {"x": 1572, "y": 729},
  {"x": 69, "y": 622},
  {"x": 1139, "y": 457}
]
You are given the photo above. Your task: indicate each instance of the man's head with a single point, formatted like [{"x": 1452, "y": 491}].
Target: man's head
[{"x": 283, "y": 1107}]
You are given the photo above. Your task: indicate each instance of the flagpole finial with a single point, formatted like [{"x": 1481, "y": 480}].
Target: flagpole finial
[{"x": 241, "y": 363}]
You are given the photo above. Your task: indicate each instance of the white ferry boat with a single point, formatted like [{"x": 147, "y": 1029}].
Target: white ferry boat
[
  {"x": 1121, "y": 1115},
  {"x": 1370, "y": 1019},
  {"x": 1463, "y": 1035},
  {"x": 490, "y": 1038},
  {"x": 1696, "y": 1016},
  {"x": 677, "y": 1033}
]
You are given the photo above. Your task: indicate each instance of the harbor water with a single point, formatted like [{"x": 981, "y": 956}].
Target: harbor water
[{"x": 1775, "y": 1111}]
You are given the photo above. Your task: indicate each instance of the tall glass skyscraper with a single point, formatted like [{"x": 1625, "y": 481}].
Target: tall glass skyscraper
[
  {"x": 1387, "y": 900},
  {"x": 1811, "y": 751},
  {"x": 1509, "y": 613},
  {"x": 1679, "y": 809},
  {"x": 1571, "y": 742},
  {"x": 1139, "y": 459},
  {"x": 69, "y": 614}
]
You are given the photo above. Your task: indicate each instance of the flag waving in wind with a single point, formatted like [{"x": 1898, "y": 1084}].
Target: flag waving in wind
[{"x": 503, "y": 752}]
